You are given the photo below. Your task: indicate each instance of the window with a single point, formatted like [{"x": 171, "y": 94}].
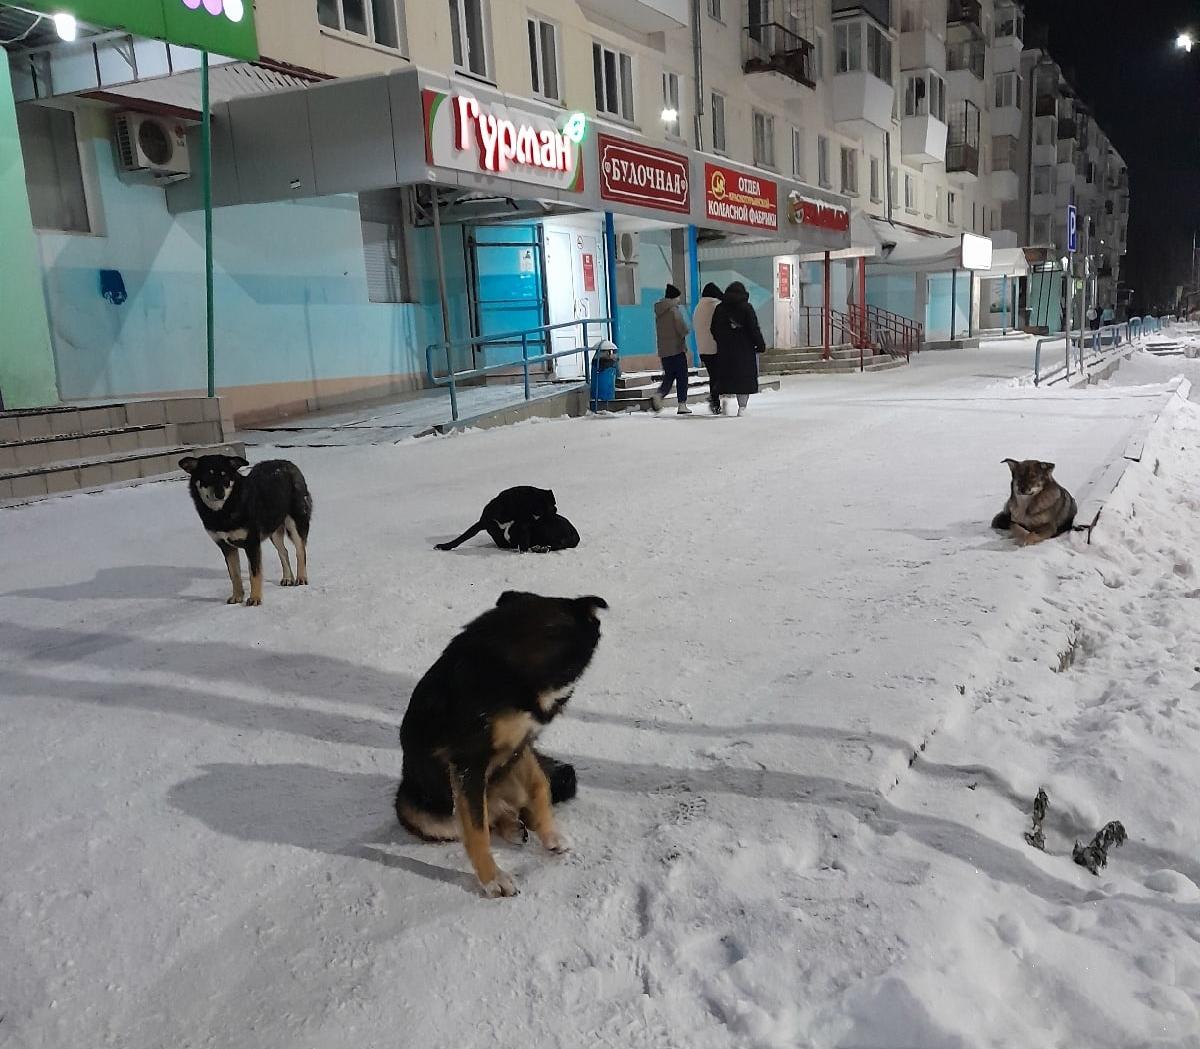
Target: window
[
  {"x": 1041, "y": 229},
  {"x": 847, "y": 41},
  {"x": 1045, "y": 132},
  {"x": 613, "y": 72},
  {"x": 930, "y": 195},
  {"x": 377, "y": 20},
  {"x": 939, "y": 208},
  {"x": 385, "y": 249},
  {"x": 1008, "y": 88},
  {"x": 876, "y": 180},
  {"x": 925, "y": 95},
  {"x": 53, "y": 176},
  {"x": 671, "y": 104},
  {"x": 543, "y": 58},
  {"x": 893, "y": 185},
  {"x": 952, "y": 208},
  {"x": 819, "y": 57},
  {"x": 879, "y": 53},
  {"x": 764, "y": 139},
  {"x": 718, "y": 122},
  {"x": 798, "y": 153},
  {"x": 850, "y": 171},
  {"x": 974, "y": 214},
  {"x": 714, "y": 10},
  {"x": 910, "y": 193},
  {"x": 823, "y": 161},
  {"x": 1042, "y": 179},
  {"x": 470, "y": 32}
]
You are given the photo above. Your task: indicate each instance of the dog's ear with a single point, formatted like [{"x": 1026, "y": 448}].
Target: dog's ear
[
  {"x": 512, "y": 595},
  {"x": 1012, "y": 464},
  {"x": 238, "y": 462},
  {"x": 1047, "y": 468},
  {"x": 188, "y": 463}
]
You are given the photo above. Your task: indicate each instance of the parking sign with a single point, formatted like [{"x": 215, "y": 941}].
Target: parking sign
[{"x": 1072, "y": 229}]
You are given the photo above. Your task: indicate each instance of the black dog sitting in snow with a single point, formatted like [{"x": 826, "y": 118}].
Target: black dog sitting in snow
[
  {"x": 239, "y": 512},
  {"x": 522, "y": 518},
  {"x": 468, "y": 735}
]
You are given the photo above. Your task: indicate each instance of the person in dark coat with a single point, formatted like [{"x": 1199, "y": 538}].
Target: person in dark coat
[{"x": 739, "y": 341}]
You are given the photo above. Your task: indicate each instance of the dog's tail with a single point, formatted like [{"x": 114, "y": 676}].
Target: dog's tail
[
  {"x": 1002, "y": 521},
  {"x": 563, "y": 785},
  {"x": 475, "y": 529}
]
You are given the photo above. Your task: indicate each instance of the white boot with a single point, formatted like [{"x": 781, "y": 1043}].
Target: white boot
[
  {"x": 684, "y": 410},
  {"x": 741, "y": 410},
  {"x": 655, "y": 402}
]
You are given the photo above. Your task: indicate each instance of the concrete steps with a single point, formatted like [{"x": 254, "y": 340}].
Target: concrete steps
[
  {"x": 634, "y": 390},
  {"x": 65, "y": 448},
  {"x": 842, "y": 367}
]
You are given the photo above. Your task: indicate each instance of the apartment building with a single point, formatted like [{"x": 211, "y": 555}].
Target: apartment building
[{"x": 784, "y": 143}]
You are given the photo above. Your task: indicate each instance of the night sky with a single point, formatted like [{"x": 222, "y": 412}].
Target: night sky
[{"x": 1121, "y": 57}]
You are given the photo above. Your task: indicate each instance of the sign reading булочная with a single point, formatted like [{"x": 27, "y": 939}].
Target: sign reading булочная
[{"x": 222, "y": 27}]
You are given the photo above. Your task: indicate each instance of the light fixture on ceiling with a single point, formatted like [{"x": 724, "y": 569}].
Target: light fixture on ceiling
[{"x": 66, "y": 26}]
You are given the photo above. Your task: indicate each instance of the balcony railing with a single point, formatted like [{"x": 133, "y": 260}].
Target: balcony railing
[
  {"x": 964, "y": 12},
  {"x": 768, "y": 47},
  {"x": 880, "y": 10},
  {"x": 961, "y": 158},
  {"x": 968, "y": 56}
]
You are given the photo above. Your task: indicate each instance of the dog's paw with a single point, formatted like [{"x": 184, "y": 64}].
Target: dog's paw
[
  {"x": 288, "y": 582},
  {"x": 236, "y": 599},
  {"x": 252, "y": 602},
  {"x": 555, "y": 842},
  {"x": 302, "y": 580},
  {"x": 501, "y": 885}
]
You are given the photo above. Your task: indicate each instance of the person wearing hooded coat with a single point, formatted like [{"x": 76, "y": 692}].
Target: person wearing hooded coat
[
  {"x": 739, "y": 340},
  {"x": 670, "y": 332},
  {"x": 710, "y": 299}
]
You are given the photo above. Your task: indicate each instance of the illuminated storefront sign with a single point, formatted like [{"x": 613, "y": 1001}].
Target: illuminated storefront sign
[{"x": 734, "y": 196}]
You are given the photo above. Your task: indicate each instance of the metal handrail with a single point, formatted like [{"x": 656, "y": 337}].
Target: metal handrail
[
  {"x": 452, "y": 378},
  {"x": 1133, "y": 330}
]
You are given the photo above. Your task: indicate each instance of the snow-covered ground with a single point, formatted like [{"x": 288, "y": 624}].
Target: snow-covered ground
[{"x": 198, "y": 843}]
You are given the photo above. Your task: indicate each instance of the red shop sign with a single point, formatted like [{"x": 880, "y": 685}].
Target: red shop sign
[
  {"x": 589, "y": 272},
  {"x": 734, "y": 196},
  {"x": 635, "y": 174},
  {"x": 809, "y": 211},
  {"x": 785, "y": 280}
]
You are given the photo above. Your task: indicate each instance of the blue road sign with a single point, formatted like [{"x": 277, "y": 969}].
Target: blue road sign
[{"x": 1072, "y": 229}]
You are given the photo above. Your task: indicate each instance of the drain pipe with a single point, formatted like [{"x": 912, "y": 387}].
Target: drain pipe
[{"x": 698, "y": 74}]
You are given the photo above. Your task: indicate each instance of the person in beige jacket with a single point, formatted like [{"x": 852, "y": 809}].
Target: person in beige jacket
[
  {"x": 671, "y": 331},
  {"x": 710, "y": 299}
]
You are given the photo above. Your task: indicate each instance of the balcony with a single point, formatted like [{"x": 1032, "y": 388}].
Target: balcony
[
  {"x": 962, "y": 162},
  {"x": 642, "y": 16},
  {"x": 1045, "y": 105},
  {"x": 967, "y": 57},
  {"x": 964, "y": 12},
  {"x": 1068, "y": 128},
  {"x": 923, "y": 140},
  {"x": 861, "y": 98},
  {"x": 922, "y": 49},
  {"x": 880, "y": 10},
  {"x": 1006, "y": 120},
  {"x": 1010, "y": 28},
  {"x": 775, "y": 60},
  {"x": 1005, "y": 181}
]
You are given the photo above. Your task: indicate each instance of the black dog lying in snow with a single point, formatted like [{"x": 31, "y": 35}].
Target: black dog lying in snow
[
  {"x": 239, "y": 512},
  {"x": 522, "y": 518}
]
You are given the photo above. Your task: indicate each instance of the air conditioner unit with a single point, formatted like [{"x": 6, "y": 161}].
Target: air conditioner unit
[{"x": 154, "y": 144}]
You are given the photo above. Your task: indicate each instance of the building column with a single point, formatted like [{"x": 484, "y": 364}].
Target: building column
[
  {"x": 825, "y": 318},
  {"x": 862, "y": 300},
  {"x": 693, "y": 291},
  {"x": 610, "y": 261},
  {"x": 27, "y": 373}
]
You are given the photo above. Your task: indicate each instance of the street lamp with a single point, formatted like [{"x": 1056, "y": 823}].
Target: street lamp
[{"x": 1184, "y": 42}]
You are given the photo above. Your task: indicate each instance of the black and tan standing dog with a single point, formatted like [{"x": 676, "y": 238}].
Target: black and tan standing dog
[
  {"x": 239, "y": 512},
  {"x": 469, "y": 763},
  {"x": 510, "y": 517},
  {"x": 1038, "y": 506}
]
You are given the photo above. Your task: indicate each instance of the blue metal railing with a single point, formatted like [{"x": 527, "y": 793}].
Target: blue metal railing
[
  {"x": 538, "y": 336},
  {"x": 1090, "y": 345}
]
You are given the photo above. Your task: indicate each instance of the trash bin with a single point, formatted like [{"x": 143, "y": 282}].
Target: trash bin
[{"x": 605, "y": 368}]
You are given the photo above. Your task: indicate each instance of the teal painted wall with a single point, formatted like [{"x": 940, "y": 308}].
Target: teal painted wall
[
  {"x": 896, "y": 292},
  {"x": 26, "y": 361},
  {"x": 290, "y": 289},
  {"x": 758, "y": 276}
]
